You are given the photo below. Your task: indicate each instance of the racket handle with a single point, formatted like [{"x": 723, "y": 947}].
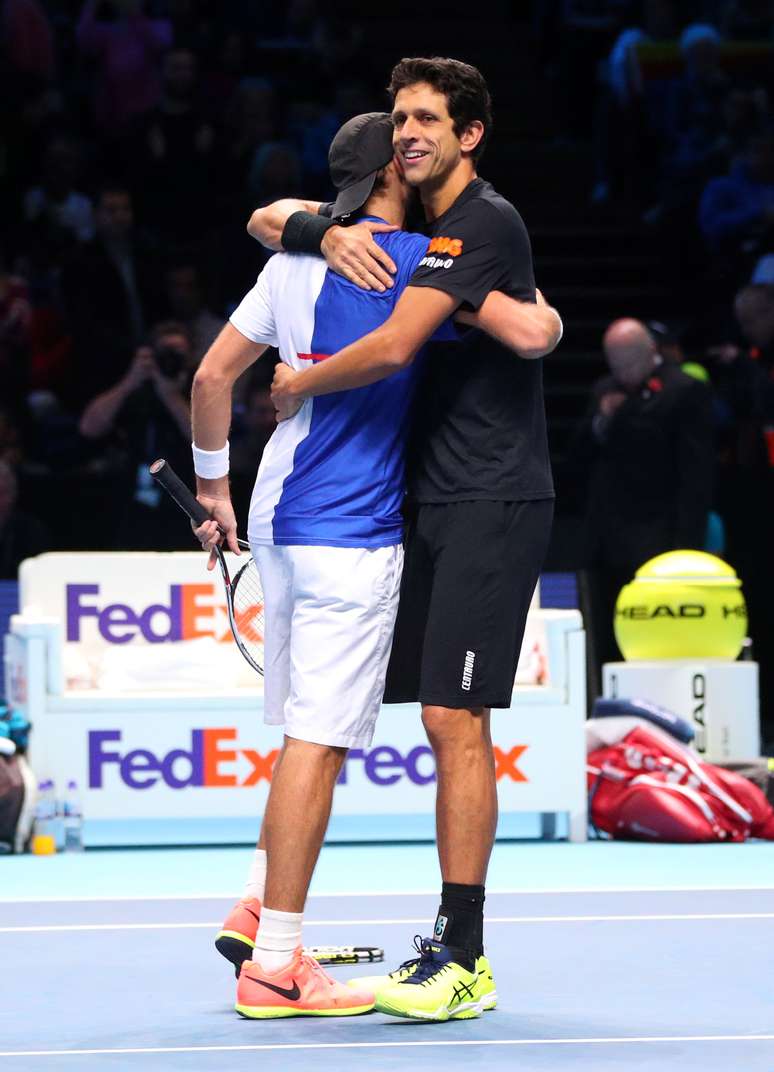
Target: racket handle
[{"x": 163, "y": 473}]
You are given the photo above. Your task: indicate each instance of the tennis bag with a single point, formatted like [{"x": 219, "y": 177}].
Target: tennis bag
[{"x": 648, "y": 786}]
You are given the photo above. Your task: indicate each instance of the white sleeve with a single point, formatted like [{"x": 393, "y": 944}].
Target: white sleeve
[{"x": 254, "y": 316}]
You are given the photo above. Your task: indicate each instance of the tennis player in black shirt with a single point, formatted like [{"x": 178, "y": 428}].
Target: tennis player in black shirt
[{"x": 481, "y": 504}]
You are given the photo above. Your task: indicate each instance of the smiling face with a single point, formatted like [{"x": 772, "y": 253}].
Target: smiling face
[{"x": 425, "y": 141}]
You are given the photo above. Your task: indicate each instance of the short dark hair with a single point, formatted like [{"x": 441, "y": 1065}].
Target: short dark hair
[{"x": 463, "y": 85}]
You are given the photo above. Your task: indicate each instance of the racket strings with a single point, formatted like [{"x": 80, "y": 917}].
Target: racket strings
[{"x": 247, "y": 595}]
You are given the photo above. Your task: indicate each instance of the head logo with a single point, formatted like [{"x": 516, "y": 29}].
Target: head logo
[{"x": 191, "y": 612}]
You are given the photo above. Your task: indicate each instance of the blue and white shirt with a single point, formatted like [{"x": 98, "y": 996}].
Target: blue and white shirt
[{"x": 334, "y": 474}]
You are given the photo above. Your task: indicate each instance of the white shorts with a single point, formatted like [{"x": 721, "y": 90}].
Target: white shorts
[{"x": 329, "y": 618}]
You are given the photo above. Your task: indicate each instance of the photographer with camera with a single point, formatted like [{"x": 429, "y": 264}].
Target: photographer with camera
[{"x": 147, "y": 416}]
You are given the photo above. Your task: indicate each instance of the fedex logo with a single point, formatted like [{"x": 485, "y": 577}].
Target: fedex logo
[
  {"x": 191, "y": 612},
  {"x": 209, "y": 762},
  {"x": 213, "y": 760}
]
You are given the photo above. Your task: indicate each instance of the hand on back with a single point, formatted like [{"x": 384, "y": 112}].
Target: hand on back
[{"x": 353, "y": 253}]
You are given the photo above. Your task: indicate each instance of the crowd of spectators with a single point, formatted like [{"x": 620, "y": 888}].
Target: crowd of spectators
[
  {"x": 676, "y": 448},
  {"x": 137, "y": 137}
]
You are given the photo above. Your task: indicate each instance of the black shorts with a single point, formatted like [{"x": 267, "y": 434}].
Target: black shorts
[{"x": 468, "y": 577}]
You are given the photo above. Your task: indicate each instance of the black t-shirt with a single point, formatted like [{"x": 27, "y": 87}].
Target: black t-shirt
[{"x": 480, "y": 427}]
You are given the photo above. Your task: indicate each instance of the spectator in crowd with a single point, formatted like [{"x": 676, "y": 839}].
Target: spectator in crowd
[
  {"x": 177, "y": 151},
  {"x": 27, "y": 39},
  {"x": 313, "y": 125},
  {"x": 746, "y": 375},
  {"x": 647, "y": 443},
  {"x": 736, "y": 213},
  {"x": 275, "y": 173},
  {"x": 55, "y": 204},
  {"x": 11, "y": 439},
  {"x": 744, "y": 113},
  {"x": 692, "y": 126},
  {"x": 15, "y": 334},
  {"x": 21, "y": 534},
  {"x": 698, "y": 94},
  {"x": 185, "y": 303},
  {"x": 226, "y": 71},
  {"x": 125, "y": 45},
  {"x": 669, "y": 343},
  {"x": 110, "y": 292},
  {"x": 626, "y": 156},
  {"x": 146, "y": 416},
  {"x": 252, "y": 120},
  {"x": 255, "y": 423}
]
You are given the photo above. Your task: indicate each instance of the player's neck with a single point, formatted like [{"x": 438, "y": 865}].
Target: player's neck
[
  {"x": 437, "y": 199},
  {"x": 386, "y": 207}
]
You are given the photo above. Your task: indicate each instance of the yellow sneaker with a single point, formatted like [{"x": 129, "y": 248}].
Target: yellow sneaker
[
  {"x": 485, "y": 988},
  {"x": 437, "y": 989}
]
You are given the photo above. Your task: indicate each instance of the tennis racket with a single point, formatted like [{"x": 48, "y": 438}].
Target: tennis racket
[
  {"x": 345, "y": 954},
  {"x": 244, "y": 595}
]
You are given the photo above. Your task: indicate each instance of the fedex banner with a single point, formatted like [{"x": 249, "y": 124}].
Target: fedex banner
[
  {"x": 215, "y": 758},
  {"x": 128, "y": 611},
  {"x": 127, "y": 598},
  {"x": 125, "y": 665},
  {"x": 138, "y": 620},
  {"x": 149, "y": 759}
]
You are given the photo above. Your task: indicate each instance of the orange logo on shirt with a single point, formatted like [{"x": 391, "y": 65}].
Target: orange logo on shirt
[{"x": 452, "y": 246}]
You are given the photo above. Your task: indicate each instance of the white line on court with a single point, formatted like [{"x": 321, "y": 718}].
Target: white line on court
[
  {"x": 63, "y": 927},
  {"x": 625, "y": 1041},
  {"x": 229, "y": 895}
]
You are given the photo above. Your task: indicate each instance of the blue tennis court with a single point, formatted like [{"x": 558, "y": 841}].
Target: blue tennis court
[{"x": 605, "y": 956}]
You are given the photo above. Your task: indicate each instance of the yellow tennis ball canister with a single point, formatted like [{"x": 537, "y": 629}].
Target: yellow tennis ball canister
[
  {"x": 43, "y": 845},
  {"x": 682, "y": 605}
]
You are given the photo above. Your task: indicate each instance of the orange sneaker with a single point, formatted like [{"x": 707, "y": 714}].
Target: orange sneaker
[
  {"x": 236, "y": 939},
  {"x": 301, "y": 988}
]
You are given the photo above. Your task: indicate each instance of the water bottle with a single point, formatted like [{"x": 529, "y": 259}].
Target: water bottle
[
  {"x": 73, "y": 819},
  {"x": 57, "y": 825},
  {"x": 44, "y": 840}
]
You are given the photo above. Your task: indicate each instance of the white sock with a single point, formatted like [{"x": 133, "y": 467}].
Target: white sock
[
  {"x": 278, "y": 937},
  {"x": 256, "y": 878}
]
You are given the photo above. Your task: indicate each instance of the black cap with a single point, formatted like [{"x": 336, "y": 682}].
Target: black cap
[
  {"x": 663, "y": 333},
  {"x": 361, "y": 147}
]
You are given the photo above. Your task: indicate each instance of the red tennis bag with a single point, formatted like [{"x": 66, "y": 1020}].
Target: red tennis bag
[{"x": 648, "y": 786}]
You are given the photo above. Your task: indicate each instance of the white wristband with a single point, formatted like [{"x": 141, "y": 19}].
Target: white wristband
[{"x": 210, "y": 464}]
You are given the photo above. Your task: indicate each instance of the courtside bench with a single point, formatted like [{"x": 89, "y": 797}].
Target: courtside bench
[{"x": 124, "y": 665}]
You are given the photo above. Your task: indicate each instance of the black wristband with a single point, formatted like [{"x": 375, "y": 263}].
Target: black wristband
[{"x": 304, "y": 231}]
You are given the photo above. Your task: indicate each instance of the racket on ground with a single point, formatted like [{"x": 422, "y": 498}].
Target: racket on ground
[
  {"x": 244, "y": 595},
  {"x": 345, "y": 954}
]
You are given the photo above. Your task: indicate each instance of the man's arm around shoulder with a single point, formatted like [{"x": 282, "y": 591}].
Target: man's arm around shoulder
[
  {"x": 267, "y": 224},
  {"x": 530, "y": 329},
  {"x": 295, "y": 226},
  {"x": 391, "y": 347}
]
